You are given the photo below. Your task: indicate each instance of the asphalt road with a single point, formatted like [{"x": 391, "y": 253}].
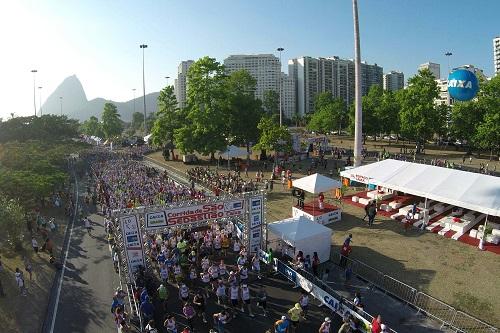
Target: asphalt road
[{"x": 88, "y": 283}]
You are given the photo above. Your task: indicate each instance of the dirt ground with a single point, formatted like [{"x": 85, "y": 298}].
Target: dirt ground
[
  {"x": 26, "y": 313},
  {"x": 454, "y": 272}
]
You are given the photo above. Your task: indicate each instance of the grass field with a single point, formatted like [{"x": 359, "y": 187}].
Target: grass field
[{"x": 454, "y": 272}]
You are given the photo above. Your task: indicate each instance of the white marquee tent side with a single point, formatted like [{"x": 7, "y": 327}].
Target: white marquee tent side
[
  {"x": 464, "y": 189},
  {"x": 316, "y": 183},
  {"x": 303, "y": 235}
]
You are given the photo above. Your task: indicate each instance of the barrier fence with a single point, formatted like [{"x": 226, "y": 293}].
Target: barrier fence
[{"x": 432, "y": 307}]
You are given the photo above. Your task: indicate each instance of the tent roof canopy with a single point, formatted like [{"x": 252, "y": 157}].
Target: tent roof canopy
[
  {"x": 297, "y": 228},
  {"x": 464, "y": 189},
  {"x": 316, "y": 183},
  {"x": 233, "y": 151}
]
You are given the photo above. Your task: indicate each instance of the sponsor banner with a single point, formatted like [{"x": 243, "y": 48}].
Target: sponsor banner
[
  {"x": 196, "y": 213},
  {"x": 289, "y": 273},
  {"x": 256, "y": 211},
  {"x": 255, "y": 220},
  {"x": 156, "y": 220},
  {"x": 263, "y": 256},
  {"x": 238, "y": 228},
  {"x": 326, "y": 218},
  {"x": 255, "y": 238},
  {"x": 132, "y": 243}
]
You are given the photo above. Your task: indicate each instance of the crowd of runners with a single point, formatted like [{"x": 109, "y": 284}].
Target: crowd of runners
[{"x": 200, "y": 279}]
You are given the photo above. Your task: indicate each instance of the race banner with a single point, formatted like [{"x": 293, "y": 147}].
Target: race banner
[
  {"x": 256, "y": 211},
  {"x": 132, "y": 243},
  {"x": 196, "y": 213}
]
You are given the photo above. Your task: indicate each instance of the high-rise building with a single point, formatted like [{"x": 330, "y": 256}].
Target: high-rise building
[
  {"x": 316, "y": 75},
  {"x": 288, "y": 102},
  {"x": 496, "y": 55},
  {"x": 180, "y": 84},
  {"x": 394, "y": 81},
  {"x": 264, "y": 68},
  {"x": 433, "y": 67}
]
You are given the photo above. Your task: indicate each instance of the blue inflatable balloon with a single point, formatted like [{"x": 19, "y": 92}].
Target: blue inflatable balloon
[{"x": 462, "y": 85}]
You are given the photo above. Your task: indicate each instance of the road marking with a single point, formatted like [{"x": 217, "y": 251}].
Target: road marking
[{"x": 54, "y": 315}]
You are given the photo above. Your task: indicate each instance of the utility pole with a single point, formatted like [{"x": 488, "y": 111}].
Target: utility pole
[
  {"x": 280, "y": 49},
  {"x": 143, "y": 47},
  {"x": 358, "y": 114},
  {"x": 34, "y": 71}
]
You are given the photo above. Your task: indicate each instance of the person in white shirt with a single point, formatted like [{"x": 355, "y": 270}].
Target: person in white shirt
[{"x": 245, "y": 297}]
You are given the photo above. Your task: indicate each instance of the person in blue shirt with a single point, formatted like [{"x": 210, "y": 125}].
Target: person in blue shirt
[
  {"x": 114, "y": 304},
  {"x": 348, "y": 240},
  {"x": 147, "y": 310},
  {"x": 281, "y": 326},
  {"x": 144, "y": 294},
  {"x": 161, "y": 258}
]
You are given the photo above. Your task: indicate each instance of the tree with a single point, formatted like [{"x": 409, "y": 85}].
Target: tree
[
  {"x": 271, "y": 102},
  {"x": 443, "y": 116},
  {"x": 11, "y": 222},
  {"x": 388, "y": 113},
  {"x": 92, "y": 127},
  {"x": 47, "y": 128},
  {"x": 137, "y": 120},
  {"x": 112, "y": 125},
  {"x": 419, "y": 119},
  {"x": 273, "y": 136},
  {"x": 464, "y": 120},
  {"x": 206, "y": 128},
  {"x": 371, "y": 104},
  {"x": 328, "y": 114},
  {"x": 245, "y": 111},
  {"x": 168, "y": 119},
  {"x": 488, "y": 101}
]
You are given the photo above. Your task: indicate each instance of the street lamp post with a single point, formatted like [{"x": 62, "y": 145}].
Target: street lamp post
[
  {"x": 40, "y": 99},
  {"x": 167, "y": 77},
  {"x": 448, "y": 55},
  {"x": 358, "y": 114},
  {"x": 143, "y": 47},
  {"x": 34, "y": 71},
  {"x": 280, "y": 49},
  {"x": 60, "y": 102}
]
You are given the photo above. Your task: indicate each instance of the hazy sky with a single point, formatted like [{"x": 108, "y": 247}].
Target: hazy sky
[{"x": 99, "y": 40}]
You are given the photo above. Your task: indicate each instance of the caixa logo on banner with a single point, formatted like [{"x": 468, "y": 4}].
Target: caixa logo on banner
[{"x": 287, "y": 271}]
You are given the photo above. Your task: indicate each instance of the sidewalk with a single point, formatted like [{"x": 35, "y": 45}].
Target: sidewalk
[{"x": 400, "y": 316}]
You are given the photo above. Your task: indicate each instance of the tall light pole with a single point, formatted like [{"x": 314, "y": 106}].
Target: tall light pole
[
  {"x": 34, "y": 88},
  {"x": 448, "y": 55},
  {"x": 143, "y": 47},
  {"x": 280, "y": 49},
  {"x": 133, "y": 89},
  {"x": 40, "y": 99},
  {"x": 60, "y": 103},
  {"x": 167, "y": 77},
  {"x": 358, "y": 114}
]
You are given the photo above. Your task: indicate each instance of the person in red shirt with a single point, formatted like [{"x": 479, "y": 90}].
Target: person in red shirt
[
  {"x": 344, "y": 252},
  {"x": 321, "y": 199},
  {"x": 376, "y": 324}
]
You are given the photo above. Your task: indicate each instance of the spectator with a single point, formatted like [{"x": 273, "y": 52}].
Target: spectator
[
  {"x": 315, "y": 263},
  {"x": 348, "y": 240},
  {"x": 344, "y": 253},
  {"x": 189, "y": 313},
  {"x": 325, "y": 326},
  {"x": 34, "y": 244},
  {"x": 147, "y": 309},
  {"x": 372, "y": 211},
  {"x": 376, "y": 324},
  {"x": 20, "y": 281}
]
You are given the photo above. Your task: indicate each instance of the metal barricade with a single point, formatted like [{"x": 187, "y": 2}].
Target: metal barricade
[
  {"x": 367, "y": 273},
  {"x": 400, "y": 290},
  {"x": 435, "y": 308},
  {"x": 468, "y": 323}
]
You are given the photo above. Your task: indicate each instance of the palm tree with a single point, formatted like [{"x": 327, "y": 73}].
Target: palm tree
[{"x": 358, "y": 114}]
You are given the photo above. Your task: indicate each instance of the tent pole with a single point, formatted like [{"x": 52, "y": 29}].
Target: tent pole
[{"x": 483, "y": 239}]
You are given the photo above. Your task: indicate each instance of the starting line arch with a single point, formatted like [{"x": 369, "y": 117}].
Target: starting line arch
[{"x": 246, "y": 211}]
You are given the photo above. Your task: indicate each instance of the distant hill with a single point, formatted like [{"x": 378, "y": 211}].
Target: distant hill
[{"x": 76, "y": 105}]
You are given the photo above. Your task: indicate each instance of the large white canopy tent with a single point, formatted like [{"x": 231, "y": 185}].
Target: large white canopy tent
[
  {"x": 233, "y": 151},
  {"x": 468, "y": 190},
  {"x": 316, "y": 183},
  {"x": 303, "y": 235}
]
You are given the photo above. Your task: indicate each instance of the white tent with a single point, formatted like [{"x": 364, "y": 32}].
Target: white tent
[
  {"x": 303, "y": 235},
  {"x": 316, "y": 183},
  {"x": 146, "y": 138},
  {"x": 233, "y": 151},
  {"x": 464, "y": 189}
]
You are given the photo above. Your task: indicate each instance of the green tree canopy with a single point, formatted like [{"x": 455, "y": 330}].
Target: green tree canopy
[
  {"x": 419, "y": 117},
  {"x": 92, "y": 127},
  {"x": 245, "y": 111},
  {"x": 11, "y": 222},
  {"x": 168, "y": 118},
  {"x": 47, "y": 128},
  {"x": 273, "y": 136},
  {"x": 137, "y": 121},
  {"x": 488, "y": 101},
  {"x": 112, "y": 125},
  {"x": 206, "y": 128},
  {"x": 328, "y": 114},
  {"x": 271, "y": 102}
]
